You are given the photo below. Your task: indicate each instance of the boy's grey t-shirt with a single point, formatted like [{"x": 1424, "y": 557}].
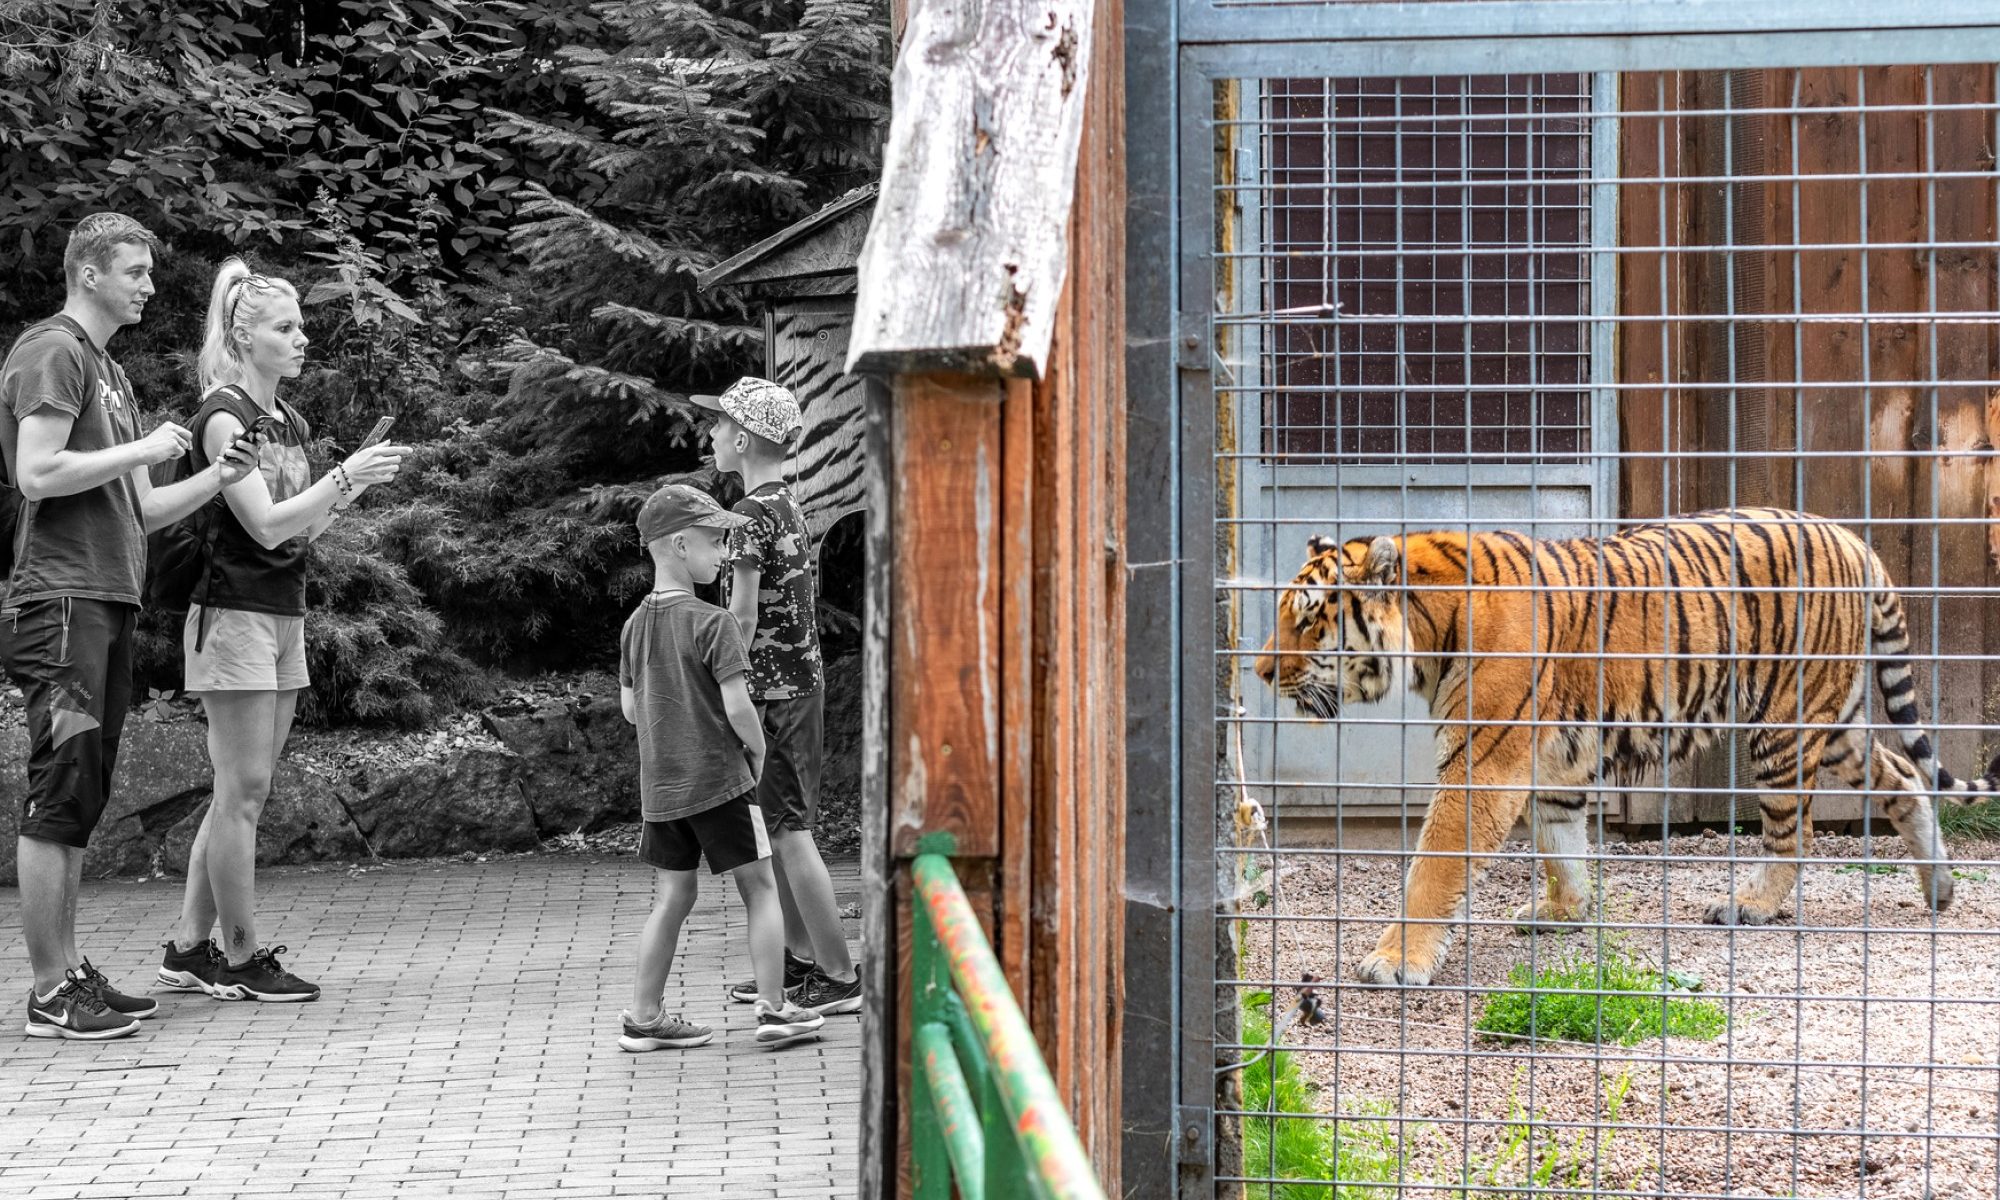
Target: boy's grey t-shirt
[{"x": 675, "y": 654}]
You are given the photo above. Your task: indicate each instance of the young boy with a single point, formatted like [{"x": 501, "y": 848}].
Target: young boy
[
  {"x": 773, "y": 594},
  {"x": 681, "y": 680}
]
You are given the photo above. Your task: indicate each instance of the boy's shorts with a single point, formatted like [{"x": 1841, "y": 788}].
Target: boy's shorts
[
  {"x": 73, "y": 661},
  {"x": 730, "y": 835},
  {"x": 244, "y": 652},
  {"x": 788, "y": 790}
]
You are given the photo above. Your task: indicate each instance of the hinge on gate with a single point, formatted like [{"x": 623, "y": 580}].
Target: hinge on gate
[
  {"x": 1191, "y": 1133},
  {"x": 1191, "y": 348}
]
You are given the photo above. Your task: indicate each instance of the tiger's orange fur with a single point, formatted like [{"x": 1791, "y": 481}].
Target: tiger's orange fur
[{"x": 1554, "y": 666}]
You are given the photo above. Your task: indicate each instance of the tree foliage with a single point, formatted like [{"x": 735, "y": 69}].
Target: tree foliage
[{"x": 495, "y": 211}]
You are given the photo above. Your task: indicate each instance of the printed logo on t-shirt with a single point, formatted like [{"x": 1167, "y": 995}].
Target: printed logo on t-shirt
[{"x": 109, "y": 397}]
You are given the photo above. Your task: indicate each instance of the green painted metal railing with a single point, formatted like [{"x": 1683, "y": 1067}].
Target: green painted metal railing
[{"x": 986, "y": 1114}]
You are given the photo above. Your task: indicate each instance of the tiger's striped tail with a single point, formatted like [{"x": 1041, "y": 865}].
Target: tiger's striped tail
[{"x": 1890, "y": 645}]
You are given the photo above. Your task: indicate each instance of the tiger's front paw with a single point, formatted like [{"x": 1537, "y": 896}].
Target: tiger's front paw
[
  {"x": 1733, "y": 911},
  {"x": 1547, "y": 916},
  {"x": 1937, "y": 886},
  {"x": 1408, "y": 957},
  {"x": 1385, "y": 968}
]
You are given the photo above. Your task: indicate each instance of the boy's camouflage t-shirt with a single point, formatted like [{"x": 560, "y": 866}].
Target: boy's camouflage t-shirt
[{"x": 784, "y": 656}]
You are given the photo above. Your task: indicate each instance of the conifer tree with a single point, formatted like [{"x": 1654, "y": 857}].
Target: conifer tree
[
  {"x": 695, "y": 129},
  {"x": 711, "y": 124}
]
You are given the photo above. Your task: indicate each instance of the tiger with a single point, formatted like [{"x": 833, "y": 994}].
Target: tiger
[{"x": 1551, "y": 665}]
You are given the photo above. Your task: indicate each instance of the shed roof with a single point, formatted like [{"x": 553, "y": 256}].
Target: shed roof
[{"x": 826, "y": 243}]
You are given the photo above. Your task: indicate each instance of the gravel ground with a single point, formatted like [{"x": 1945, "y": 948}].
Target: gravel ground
[{"x": 1862, "y": 1056}]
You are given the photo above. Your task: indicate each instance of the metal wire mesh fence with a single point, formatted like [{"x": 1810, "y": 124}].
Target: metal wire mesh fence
[{"x": 1605, "y": 541}]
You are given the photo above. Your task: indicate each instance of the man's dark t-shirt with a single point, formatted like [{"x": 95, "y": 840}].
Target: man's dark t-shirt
[{"x": 91, "y": 545}]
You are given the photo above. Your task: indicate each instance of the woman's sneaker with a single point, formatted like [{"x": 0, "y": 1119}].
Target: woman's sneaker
[
  {"x": 797, "y": 971},
  {"x": 195, "y": 970},
  {"x": 262, "y": 978},
  {"x": 115, "y": 1000},
  {"x": 828, "y": 997},
  {"x": 783, "y": 1026},
  {"x": 664, "y": 1032},
  {"x": 76, "y": 1011}
]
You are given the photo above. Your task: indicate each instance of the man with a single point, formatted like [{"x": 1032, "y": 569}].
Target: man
[{"x": 69, "y": 430}]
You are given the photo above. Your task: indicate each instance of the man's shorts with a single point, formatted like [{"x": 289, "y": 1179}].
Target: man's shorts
[
  {"x": 72, "y": 659},
  {"x": 731, "y": 835},
  {"x": 244, "y": 652},
  {"x": 788, "y": 790}
]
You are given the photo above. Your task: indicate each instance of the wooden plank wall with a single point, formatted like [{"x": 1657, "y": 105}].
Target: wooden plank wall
[
  {"x": 1868, "y": 445},
  {"x": 1007, "y": 649},
  {"x": 1857, "y": 397}
]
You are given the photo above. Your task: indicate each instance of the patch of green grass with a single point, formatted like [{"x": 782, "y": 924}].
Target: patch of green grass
[
  {"x": 1969, "y": 873},
  {"x": 1531, "y": 1155},
  {"x": 1302, "y": 1152},
  {"x": 1980, "y": 820},
  {"x": 1609, "y": 998},
  {"x": 1869, "y": 869}
]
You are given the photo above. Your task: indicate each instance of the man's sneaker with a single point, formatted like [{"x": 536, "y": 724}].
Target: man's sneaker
[
  {"x": 827, "y": 997},
  {"x": 783, "y": 1026},
  {"x": 797, "y": 971},
  {"x": 76, "y": 1011},
  {"x": 195, "y": 970},
  {"x": 115, "y": 1000},
  {"x": 664, "y": 1032},
  {"x": 262, "y": 979}
]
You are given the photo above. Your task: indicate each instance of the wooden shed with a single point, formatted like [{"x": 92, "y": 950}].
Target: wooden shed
[{"x": 804, "y": 275}]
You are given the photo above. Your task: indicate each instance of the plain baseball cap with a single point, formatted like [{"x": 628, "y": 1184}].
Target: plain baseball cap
[
  {"x": 678, "y": 506},
  {"x": 766, "y": 409}
]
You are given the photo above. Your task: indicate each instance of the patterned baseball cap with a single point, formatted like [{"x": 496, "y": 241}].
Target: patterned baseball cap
[
  {"x": 764, "y": 408},
  {"x": 676, "y": 507}
]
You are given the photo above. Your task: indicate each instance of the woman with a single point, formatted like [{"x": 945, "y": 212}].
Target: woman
[{"x": 245, "y": 638}]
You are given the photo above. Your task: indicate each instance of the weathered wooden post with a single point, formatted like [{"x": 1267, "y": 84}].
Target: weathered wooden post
[{"x": 990, "y": 296}]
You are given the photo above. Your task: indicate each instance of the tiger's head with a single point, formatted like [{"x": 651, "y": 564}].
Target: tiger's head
[{"x": 1335, "y": 625}]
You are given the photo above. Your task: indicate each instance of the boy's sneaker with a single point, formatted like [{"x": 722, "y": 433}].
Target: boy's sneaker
[
  {"x": 826, "y": 996},
  {"x": 195, "y": 970},
  {"x": 77, "y": 1012},
  {"x": 115, "y": 1000},
  {"x": 262, "y": 978},
  {"x": 783, "y": 1026},
  {"x": 664, "y": 1032},
  {"x": 797, "y": 971}
]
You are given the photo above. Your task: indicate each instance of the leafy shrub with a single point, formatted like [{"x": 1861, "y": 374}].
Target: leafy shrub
[
  {"x": 375, "y": 652},
  {"x": 1605, "y": 998},
  {"x": 156, "y": 110}
]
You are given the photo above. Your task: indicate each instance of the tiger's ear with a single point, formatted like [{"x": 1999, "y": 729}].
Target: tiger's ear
[
  {"x": 1319, "y": 544},
  {"x": 1382, "y": 566}
]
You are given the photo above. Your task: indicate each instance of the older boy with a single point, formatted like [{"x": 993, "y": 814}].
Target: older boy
[
  {"x": 681, "y": 670},
  {"x": 773, "y": 593}
]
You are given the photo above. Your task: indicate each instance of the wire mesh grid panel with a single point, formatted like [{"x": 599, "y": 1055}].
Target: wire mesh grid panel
[{"x": 1605, "y": 541}]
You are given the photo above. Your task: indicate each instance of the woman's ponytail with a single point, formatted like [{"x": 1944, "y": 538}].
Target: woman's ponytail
[{"x": 219, "y": 363}]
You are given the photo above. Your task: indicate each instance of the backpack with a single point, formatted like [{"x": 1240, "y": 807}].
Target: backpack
[
  {"x": 10, "y": 496},
  {"x": 180, "y": 557}
]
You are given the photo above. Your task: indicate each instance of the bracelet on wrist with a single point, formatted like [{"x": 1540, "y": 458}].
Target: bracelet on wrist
[{"x": 340, "y": 480}]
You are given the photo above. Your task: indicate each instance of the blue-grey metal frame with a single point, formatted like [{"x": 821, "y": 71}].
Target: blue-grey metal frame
[{"x": 1176, "y": 946}]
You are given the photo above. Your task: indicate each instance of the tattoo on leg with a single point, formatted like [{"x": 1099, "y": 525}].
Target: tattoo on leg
[{"x": 236, "y": 937}]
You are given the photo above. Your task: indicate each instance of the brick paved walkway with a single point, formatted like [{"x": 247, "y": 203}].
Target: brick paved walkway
[{"x": 466, "y": 1044}]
